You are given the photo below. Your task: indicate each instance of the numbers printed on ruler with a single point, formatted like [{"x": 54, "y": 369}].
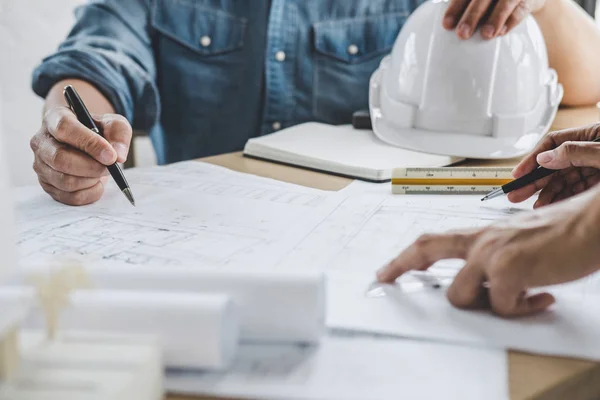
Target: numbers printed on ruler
[
  {"x": 454, "y": 172},
  {"x": 449, "y": 180},
  {"x": 412, "y": 189}
]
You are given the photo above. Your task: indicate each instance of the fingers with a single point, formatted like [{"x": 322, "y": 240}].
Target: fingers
[
  {"x": 467, "y": 290},
  {"x": 529, "y": 163},
  {"x": 571, "y": 154},
  {"x": 465, "y": 16},
  {"x": 470, "y": 19},
  {"x": 526, "y": 192},
  {"x": 592, "y": 181},
  {"x": 508, "y": 302},
  {"x": 518, "y": 15},
  {"x": 453, "y": 13},
  {"x": 65, "y": 159},
  {"x": 118, "y": 132},
  {"x": 551, "y": 141},
  {"x": 549, "y": 193},
  {"x": 60, "y": 180},
  {"x": 63, "y": 125},
  {"x": 77, "y": 198},
  {"x": 497, "y": 22},
  {"x": 71, "y": 160},
  {"x": 501, "y": 296},
  {"x": 424, "y": 252}
]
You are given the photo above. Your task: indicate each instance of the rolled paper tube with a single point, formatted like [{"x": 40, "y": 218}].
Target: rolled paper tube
[
  {"x": 195, "y": 330},
  {"x": 273, "y": 306}
]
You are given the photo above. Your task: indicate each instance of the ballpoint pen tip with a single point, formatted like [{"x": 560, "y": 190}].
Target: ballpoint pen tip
[{"x": 129, "y": 196}]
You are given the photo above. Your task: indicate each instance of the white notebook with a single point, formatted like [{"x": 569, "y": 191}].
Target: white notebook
[{"x": 341, "y": 150}]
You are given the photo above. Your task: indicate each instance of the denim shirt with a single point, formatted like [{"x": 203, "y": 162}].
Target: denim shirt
[{"x": 204, "y": 76}]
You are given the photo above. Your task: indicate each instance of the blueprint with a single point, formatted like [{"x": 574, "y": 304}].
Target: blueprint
[
  {"x": 207, "y": 216},
  {"x": 366, "y": 231},
  {"x": 202, "y": 216},
  {"x": 187, "y": 214}
]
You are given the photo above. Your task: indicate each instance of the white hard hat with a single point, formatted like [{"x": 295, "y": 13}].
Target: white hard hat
[{"x": 470, "y": 98}]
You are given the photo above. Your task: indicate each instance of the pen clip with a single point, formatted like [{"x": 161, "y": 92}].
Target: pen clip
[
  {"x": 68, "y": 99},
  {"x": 78, "y": 107}
]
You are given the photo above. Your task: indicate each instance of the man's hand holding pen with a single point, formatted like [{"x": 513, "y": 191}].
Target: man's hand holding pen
[
  {"x": 574, "y": 154},
  {"x": 71, "y": 160}
]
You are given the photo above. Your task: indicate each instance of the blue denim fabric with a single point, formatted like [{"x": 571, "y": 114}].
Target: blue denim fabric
[{"x": 199, "y": 97}]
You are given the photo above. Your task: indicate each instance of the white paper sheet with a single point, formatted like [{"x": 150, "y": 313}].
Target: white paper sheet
[
  {"x": 570, "y": 328},
  {"x": 194, "y": 214},
  {"x": 355, "y": 368},
  {"x": 365, "y": 232},
  {"x": 358, "y": 187}
]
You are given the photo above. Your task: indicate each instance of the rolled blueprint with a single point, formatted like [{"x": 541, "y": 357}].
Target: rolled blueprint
[
  {"x": 195, "y": 330},
  {"x": 273, "y": 306}
]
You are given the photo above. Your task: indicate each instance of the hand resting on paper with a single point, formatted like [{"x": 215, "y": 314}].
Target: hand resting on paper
[
  {"x": 555, "y": 244},
  {"x": 570, "y": 151}
]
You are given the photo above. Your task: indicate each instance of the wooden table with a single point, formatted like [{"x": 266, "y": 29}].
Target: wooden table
[{"x": 530, "y": 377}]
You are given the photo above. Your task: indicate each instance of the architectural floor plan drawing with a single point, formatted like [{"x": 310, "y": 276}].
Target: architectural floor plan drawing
[
  {"x": 365, "y": 232},
  {"x": 206, "y": 216},
  {"x": 194, "y": 215}
]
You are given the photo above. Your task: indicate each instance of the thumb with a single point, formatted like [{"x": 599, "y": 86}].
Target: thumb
[
  {"x": 571, "y": 154},
  {"x": 118, "y": 132}
]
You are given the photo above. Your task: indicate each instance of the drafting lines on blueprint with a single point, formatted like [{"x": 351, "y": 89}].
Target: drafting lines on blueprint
[
  {"x": 104, "y": 238},
  {"x": 246, "y": 223},
  {"x": 365, "y": 232}
]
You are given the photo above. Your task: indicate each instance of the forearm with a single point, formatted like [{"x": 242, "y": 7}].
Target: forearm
[
  {"x": 573, "y": 42},
  {"x": 94, "y": 100}
]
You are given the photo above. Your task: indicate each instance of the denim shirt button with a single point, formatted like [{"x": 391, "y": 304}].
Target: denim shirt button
[
  {"x": 276, "y": 126},
  {"x": 353, "y": 49},
  {"x": 280, "y": 56},
  {"x": 205, "y": 41}
]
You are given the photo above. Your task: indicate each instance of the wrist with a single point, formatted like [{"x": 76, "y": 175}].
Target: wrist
[{"x": 93, "y": 98}]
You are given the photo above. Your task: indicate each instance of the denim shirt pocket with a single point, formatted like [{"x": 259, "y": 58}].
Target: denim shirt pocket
[
  {"x": 201, "y": 60},
  {"x": 206, "y": 31},
  {"x": 347, "y": 52},
  {"x": 199, "y": 53}
]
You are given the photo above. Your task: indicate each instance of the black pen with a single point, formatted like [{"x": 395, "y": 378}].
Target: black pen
[
  {"x": 83, "y": 115},
  {"x": 536, "y": 174}
]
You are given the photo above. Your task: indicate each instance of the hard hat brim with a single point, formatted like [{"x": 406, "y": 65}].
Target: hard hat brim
[{"x": 453, "y": 143}]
